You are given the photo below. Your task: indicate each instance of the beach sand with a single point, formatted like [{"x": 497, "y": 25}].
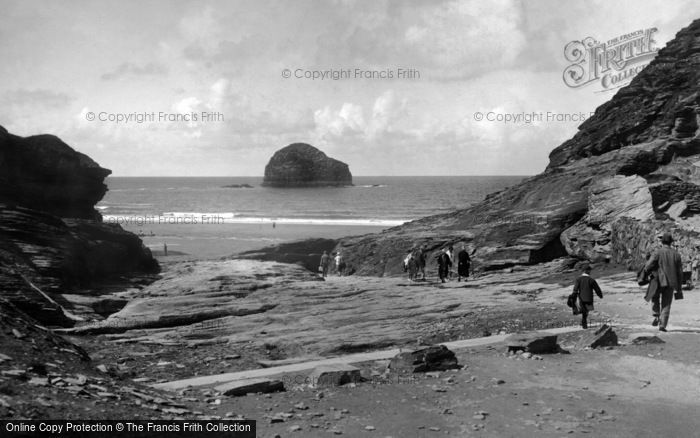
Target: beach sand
[{"x": 199, "y": 242}]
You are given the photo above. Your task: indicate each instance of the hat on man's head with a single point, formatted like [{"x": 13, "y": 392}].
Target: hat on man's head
[{"x": 666, "y": 238}]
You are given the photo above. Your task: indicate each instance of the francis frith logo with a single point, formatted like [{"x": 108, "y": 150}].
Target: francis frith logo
[{"x": 612, "y": 63}]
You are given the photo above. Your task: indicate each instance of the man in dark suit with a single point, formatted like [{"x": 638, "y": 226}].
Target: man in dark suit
[
  {"x": 463, "y": 262},
  {"x": 584, "y": 286},
  {"x": 667, "y": 268}
]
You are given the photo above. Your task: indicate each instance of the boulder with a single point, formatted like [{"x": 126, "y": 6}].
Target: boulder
[
  {"x": 302, "y": 165},
  {"x": 644, "y": 338},
  {"x": 534, "y": 342},
  {"x": 432, "y": 358},
  {"x": 676, "y": 210},
  {"x": 334, "y": 375},
  {"x": 604, "y": 336},
  {"x": 250, "y": 386}
]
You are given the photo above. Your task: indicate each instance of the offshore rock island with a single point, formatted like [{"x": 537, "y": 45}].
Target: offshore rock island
[{"x": 302, "y": 165}]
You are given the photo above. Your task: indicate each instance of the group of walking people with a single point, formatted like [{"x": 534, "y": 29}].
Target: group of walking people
[
  {"x": 334, "y": 260},
  {"x": 416, "y": 258},
  {"x": 662, "y": 274}
]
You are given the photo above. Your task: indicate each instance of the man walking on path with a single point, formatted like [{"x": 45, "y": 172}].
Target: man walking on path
[
  {"x": 667, "y": 266},
  {"x": 584, "y": 286}
]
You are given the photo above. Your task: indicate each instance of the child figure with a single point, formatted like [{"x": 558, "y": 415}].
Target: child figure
[{"x": 584, "y": 287}]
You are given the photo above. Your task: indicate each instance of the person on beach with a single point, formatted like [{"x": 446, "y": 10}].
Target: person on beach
[
  {"x": 584, "y": 287},
  {"x": 463, "y": 264},
  {"x": 422, "y": 255},
  {"x": 325, "y": 261},
  {"x": 339, "y": 264},
  {"x": 413, "y": 267},
  {"x": 666, "y": 266},
  {"x": 406, "y": 259},
  {"x": 451, "y": 255},
  {"x": 444, "y": 263},
  {"x": 410, "y": 264}
]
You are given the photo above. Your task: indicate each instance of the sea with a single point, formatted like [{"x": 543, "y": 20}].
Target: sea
[{"x": 210, "y": 217}]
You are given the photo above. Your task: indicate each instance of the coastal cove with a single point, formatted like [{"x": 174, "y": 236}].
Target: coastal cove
[{"x": 537, "y": 277}]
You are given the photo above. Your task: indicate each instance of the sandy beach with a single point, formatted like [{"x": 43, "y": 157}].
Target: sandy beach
[{"x": 199, "y": 242}]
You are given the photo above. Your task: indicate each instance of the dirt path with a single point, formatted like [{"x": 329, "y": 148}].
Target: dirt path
[{"x": 628, "y": 391}]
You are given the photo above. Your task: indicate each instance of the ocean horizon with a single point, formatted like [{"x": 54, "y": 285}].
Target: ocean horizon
[
  {"x": 200, "y": 217},
  {"x": 371, "y": 200}
]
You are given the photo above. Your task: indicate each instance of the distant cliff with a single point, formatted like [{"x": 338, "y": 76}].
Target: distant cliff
[
  {"x": 632, "y": 168},
  {"x": 302, "y": 165},
  {"x": 52, "y": 240}
]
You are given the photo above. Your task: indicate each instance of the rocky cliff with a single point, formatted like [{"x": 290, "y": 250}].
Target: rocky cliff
[
  {"x": 302, "y": 165},
  {"x": 635, "y": 160},
  {"x": 52, "y": 240},
  {"x": 43, "y": 173}
]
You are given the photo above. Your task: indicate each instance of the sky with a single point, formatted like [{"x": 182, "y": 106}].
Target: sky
[{"x": 422, "y": 87}]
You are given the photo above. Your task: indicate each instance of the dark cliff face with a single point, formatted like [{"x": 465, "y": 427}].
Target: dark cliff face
[
  {"x": 632, "y": 162},
  {"x": 43, "y": 173},
  {"x": 302, "y": 165},
  {"x": 52, "y": 240},
  {"x": 661, "y": 101}
]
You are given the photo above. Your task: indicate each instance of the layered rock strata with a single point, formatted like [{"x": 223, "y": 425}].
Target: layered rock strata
[
  {"x": 52, "y": 240},
  {"x": 636, "y": 160}
]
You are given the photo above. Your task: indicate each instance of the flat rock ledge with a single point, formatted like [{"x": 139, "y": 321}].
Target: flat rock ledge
[{"x": 250, "y": 386}]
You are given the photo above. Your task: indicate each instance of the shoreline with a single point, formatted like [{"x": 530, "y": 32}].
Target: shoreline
[{"x": 209, "y": 242}]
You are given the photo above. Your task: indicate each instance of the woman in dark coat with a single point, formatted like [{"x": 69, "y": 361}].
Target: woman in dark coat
[
  {"x": 463, "y": 263},
  {"x": 444, "y": 264}
]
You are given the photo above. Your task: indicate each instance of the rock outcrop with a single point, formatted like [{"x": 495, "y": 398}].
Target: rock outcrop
[
  {"x": 52, "y": 240},
  {"x": 334, "y": 375},
  {"x": 533, "y": 342},
  {"x": 43, "y": 173},
  {"x": 631, "y": 161},
  {"x": 302, "y": 165},
  {"x": 609, "y": 198},
  {"x": 430, "y": 358}
]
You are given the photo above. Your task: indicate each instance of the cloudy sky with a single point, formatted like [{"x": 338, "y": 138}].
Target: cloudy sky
[{"x": 63, "y": 62}]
